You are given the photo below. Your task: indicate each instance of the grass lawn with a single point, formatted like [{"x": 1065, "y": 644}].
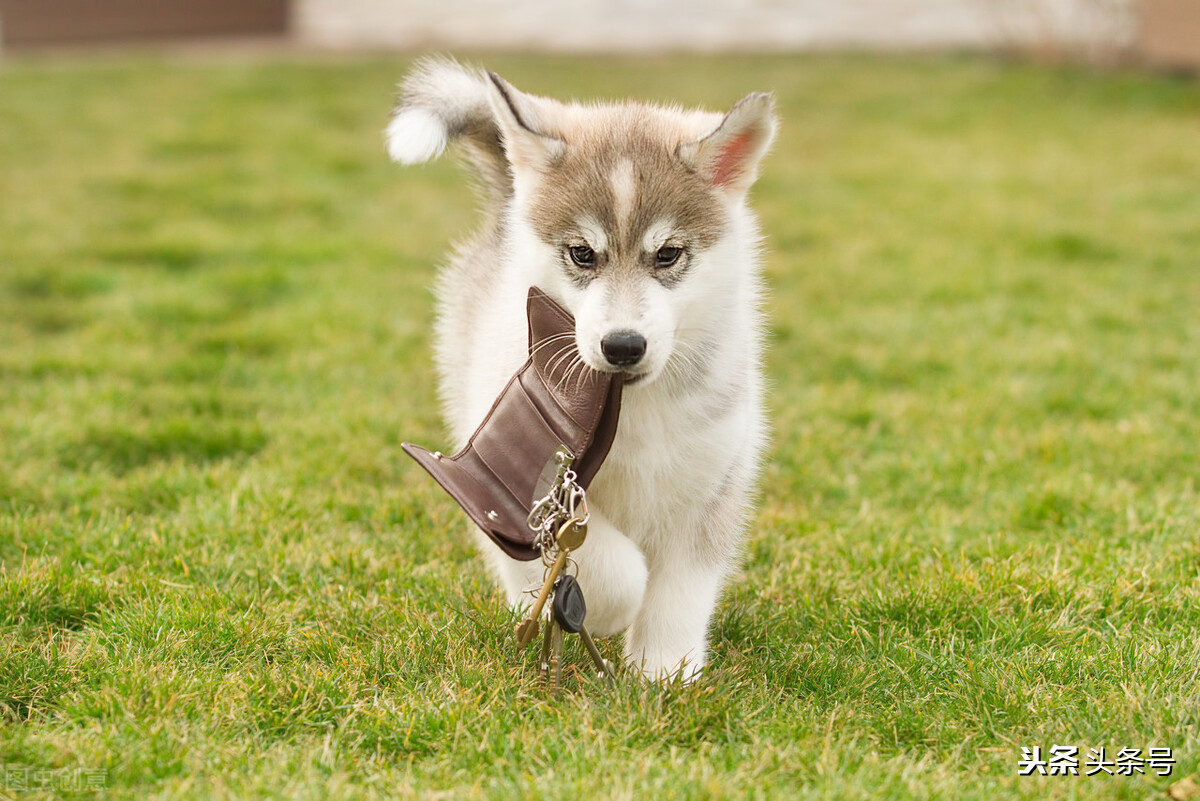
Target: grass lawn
[{"x": 980, "y": 523}]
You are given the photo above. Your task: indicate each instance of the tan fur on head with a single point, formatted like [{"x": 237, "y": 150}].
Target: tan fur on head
[
  {"x": 632, "y": 172},
  {"x": 620, "y": 168}
]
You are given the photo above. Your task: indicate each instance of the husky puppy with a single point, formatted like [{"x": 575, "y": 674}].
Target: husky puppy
[{"x": 634, "y": 218}]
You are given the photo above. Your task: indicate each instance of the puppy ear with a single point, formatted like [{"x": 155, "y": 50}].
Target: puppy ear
[
  {"x": 728, "y": 157},
  {"x": 526, "y": 125}
]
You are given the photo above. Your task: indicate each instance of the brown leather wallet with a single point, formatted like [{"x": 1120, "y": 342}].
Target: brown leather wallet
[{"x": 553, "y": 402}]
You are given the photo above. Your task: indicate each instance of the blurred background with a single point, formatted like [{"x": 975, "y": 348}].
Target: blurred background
[{"x": 1161, "y": 32}]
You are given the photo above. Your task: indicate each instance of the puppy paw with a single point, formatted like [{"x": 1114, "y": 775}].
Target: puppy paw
[{"x": 662, "y": 668}]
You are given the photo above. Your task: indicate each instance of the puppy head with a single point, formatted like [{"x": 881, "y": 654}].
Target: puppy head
[{"x": 621, "y": 212}]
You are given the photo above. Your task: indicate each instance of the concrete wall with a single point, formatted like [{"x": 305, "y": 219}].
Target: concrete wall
[{"x": 648, "y": 25}]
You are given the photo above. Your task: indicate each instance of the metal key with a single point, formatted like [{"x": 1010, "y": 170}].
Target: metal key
[
  {"x": 556, "y": 645},
  {"x": 603, "y": 664},
  {"x": 572, "y": 531},
  {"x": 544, "y": 661}
]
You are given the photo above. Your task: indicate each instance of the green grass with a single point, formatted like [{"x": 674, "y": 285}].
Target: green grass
[{"x": 980, "y": 522}]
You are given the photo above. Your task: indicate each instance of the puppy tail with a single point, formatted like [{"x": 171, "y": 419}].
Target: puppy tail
[{"x": 442, "y": 101}]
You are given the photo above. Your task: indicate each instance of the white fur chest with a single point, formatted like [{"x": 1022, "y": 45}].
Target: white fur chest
[{"x": 671, "y": 460}]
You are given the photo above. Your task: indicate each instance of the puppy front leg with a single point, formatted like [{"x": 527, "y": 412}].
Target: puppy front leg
[
  {"x": 669, "y": 635},
  {"x": 611, "y": 572}
]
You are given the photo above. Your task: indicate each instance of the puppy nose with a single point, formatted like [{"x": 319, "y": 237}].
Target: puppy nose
[{"x": 623, "y": 348}]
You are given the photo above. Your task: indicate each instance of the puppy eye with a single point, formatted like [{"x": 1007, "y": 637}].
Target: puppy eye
[
  {"x": 583, "y": 256},
  {"x": 667, "y": 256}
]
